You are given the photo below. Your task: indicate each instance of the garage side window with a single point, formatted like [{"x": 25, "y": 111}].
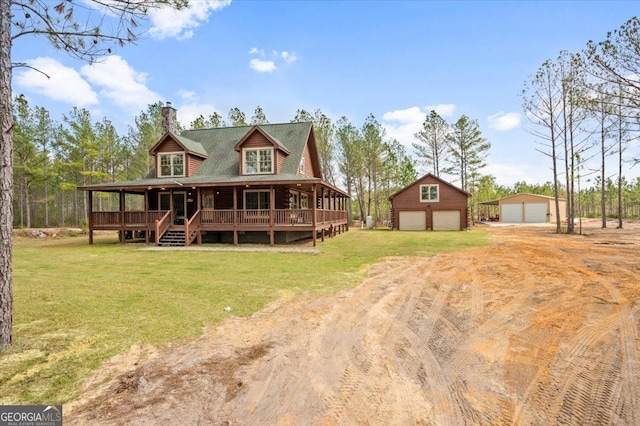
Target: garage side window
[{"x": 429, "y": 193}]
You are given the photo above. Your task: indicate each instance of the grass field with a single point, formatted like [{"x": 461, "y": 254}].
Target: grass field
[{"x": 77, "y": 305}]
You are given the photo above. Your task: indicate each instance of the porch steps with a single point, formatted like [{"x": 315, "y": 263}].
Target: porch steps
[{"x": 173, "y": 238}]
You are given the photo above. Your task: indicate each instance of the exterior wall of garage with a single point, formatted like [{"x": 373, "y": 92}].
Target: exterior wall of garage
[
  {"x": 523, "y": 199},
  {"x": 450, "y": 198}
]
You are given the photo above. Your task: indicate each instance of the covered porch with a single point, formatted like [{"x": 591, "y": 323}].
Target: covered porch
[{"x": 153, "y": 213}]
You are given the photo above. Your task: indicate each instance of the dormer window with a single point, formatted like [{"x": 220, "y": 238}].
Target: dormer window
[
  {"x": 301, "y": 166},
  {"x": 171, "y": 164},
  {"x": 258, "y": 161}
]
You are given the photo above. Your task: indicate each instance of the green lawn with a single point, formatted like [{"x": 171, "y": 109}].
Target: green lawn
[{"x": 77, "y": 305}]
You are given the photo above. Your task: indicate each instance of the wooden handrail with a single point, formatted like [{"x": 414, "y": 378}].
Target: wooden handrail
[
  {"x": 162, "y": 225},
  {"x": 194, "y": 223}
]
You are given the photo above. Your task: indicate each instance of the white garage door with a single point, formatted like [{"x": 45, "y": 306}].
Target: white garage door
[
  {"x": 535, "y": 212},
  {"x": 446, "y": 220},
  {"x": 413, "y": 221},
  {"x": 511, "y": 213}
]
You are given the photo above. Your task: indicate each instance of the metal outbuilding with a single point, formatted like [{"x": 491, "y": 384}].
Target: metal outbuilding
[{"x": 528, "y": 208}]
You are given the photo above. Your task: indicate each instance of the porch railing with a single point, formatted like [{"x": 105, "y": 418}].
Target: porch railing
[
  {"x": 216, "y": 217},
  {"x": 130, "y": 218},
  {"x": 253, "y": 217},
  {"x": 212, "y": 217},
  {"x": 323, "y": 216},
  {"x": 257, "y": 217}
]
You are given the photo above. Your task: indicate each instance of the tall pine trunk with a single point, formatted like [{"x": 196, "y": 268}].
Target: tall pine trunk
[
  {"x": 603, "y": 204},
  {"x": 6, "y": 176},
  {"x": 620, "y": 130}
]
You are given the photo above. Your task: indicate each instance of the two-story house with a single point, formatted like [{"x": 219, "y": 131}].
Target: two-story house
[{"x": 259, "y": 183}]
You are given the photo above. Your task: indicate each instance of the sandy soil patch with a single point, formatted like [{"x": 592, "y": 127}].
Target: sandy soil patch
[{"x": 539, "y": 329}]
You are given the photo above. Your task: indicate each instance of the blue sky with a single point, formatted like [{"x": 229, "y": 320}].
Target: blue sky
[{"x": 394, "y": 59}]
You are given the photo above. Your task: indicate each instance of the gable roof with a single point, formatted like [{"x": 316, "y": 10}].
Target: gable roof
[
  {"x": 188, "y": 145},
  {"x": 425, "y": 177},
  {"x": 221, "y": 142},
  {"x": 221, "y": 166}
]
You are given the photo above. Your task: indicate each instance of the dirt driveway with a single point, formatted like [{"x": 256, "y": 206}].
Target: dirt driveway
[{"x": 540, "y": 329}]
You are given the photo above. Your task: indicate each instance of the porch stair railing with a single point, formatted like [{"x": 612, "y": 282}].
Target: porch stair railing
[
  {"x": 162, "y": 225},
  {"x": 192, "y": 228}
]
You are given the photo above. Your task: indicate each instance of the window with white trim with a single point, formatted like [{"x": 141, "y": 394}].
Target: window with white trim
[
  {"x": 429, "y": 193},
  {"x": 257, "y": 161},
  {"x": 294, "y": 200},
  {"x": 171, "y": 164},
  {"x": 256, "y": 200},
  {"x": 301, "y": 166},
  {"x": 304, "y": 201}
]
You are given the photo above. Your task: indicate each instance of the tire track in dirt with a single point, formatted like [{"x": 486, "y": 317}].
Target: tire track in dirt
[
  {"x": 368, "y": 358},
  {"x": 629, "y": 347},
  {"x": 511, "y": 335}
]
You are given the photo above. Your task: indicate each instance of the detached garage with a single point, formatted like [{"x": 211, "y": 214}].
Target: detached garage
[
  {"x": 529, "y": 208},
  {"x": 429, "y": 203}
]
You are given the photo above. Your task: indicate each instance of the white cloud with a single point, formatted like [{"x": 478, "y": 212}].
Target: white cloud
[
  {"x": 402, "y": 124},
  {"x": 288, "y": 57},
  {"x": 120, "y": 83},
  {"x": 171, "y": 23},
  {"x": 269, "y": 65},
  {"x": 261, "y": 65},
  {"x": 409, "y": 115},
  {"x": 444, "y": 110},
  {"x": 502, "y": 121},
  {"x": 64, "y": 85},
  {"x": 190, "y": 108}
]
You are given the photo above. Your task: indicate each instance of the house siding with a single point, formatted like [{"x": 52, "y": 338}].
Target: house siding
[
  {"x": 257, "y": 140},
  {"x": 170, "y": 146},
  {"x": 308, "y": 164},
  {"x": 193, "y": 164},
  {"x": 450, "y": 198},
  {"x": 280, "y": 157}
]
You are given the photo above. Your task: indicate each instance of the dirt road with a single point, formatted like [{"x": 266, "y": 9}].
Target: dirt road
[{"x": 540, "y": 329}]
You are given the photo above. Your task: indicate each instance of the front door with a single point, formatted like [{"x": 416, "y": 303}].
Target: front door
[{"x": 179, "y": 207}]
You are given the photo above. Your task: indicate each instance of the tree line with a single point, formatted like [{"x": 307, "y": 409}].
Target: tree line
[
  {"x": 53, "y": 158},
  {"x": 585, "y": 107}
]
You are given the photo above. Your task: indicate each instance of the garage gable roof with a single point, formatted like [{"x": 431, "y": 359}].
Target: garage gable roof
[{"x": 424, "y": 178}]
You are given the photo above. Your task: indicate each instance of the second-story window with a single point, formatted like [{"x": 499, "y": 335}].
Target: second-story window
[
  {"x": 171, "y": 165},
  {"x": 429, "y": 193},
  {"x": 258, "y": 161}
]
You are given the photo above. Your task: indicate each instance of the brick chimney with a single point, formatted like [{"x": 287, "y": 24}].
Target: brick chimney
[{"x": 169, "y": 120}]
